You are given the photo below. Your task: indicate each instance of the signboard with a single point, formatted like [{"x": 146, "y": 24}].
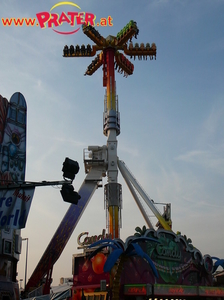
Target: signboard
[
  {"x": 84, "y": 240},
  {"x": 175, "y": 290},
  {"x": 175, "y": 259},
  {"x": 168, "y": 290},
  {"x": 88, "y": 272},
  {"x": 14, "y": 207},
  {"x": 14, "y": 203},
  {"x": 138, "y": 289},
  {"x": 211, "y": 291}
]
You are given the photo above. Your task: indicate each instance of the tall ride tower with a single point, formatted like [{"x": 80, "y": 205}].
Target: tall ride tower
[{"x": 110, "y": 58}]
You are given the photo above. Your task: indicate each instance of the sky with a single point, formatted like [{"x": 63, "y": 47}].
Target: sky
[{"x": 171, "y": 110}]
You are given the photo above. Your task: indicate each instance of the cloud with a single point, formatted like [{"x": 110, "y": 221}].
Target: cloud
[
  {"x": 212, "y": 160},
  {"x": 192, "y": 156},
  {"x": 128, "y": 150},
  {"x": 214, "y": 121},
  {"x": 207, "y": 150}
]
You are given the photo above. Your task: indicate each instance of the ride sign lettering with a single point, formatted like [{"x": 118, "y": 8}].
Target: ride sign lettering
[
  {"x": 14, "y": 207},
  {"x": 84, "y": 240}
]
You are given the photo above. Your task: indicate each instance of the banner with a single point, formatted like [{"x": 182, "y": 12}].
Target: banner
[
  {"x": 14, "y": 203},
  {"x": 14, "y": 207},
  {"x": 13, "y": 141}
]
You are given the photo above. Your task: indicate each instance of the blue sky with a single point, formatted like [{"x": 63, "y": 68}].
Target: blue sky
[{"x": 172, "y": 117}]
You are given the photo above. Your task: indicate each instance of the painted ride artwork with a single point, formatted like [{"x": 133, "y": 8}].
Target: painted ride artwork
[
  {"x": 13, "y": 142},
  {"x": 12, "y": 161},
  {"x": 160, "y": 259},
  {"x": 152, "y": 263}
]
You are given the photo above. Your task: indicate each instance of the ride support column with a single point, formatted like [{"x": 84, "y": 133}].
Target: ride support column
[{"x": 112, "y": 190}]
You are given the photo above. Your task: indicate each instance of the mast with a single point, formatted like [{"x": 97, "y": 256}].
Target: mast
[{"x": 111, "y": 58}]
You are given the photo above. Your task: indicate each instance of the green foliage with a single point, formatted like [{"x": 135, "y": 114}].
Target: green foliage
[{"x": 140, "y": 232}]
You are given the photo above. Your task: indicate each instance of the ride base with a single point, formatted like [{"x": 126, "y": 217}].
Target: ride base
[{"x": 183, "y": 272}]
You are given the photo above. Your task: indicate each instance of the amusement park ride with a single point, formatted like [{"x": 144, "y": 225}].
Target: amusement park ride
[{"x": 152, "y": 263}]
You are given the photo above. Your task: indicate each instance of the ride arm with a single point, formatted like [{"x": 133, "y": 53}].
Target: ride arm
[
  {"x": 141, "y": 51},
  {"x": 127, "y": 33},
  {"x": 130, "y": 178},
  {"x": 65, "y": 229},
  {"x": 93, "y": 34},
  {"x": 123, "y": 63},
  {"x": 78, "y": 51},
  {"x": 137, "y": 200},
  {"x": 95, "y": 64}
]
